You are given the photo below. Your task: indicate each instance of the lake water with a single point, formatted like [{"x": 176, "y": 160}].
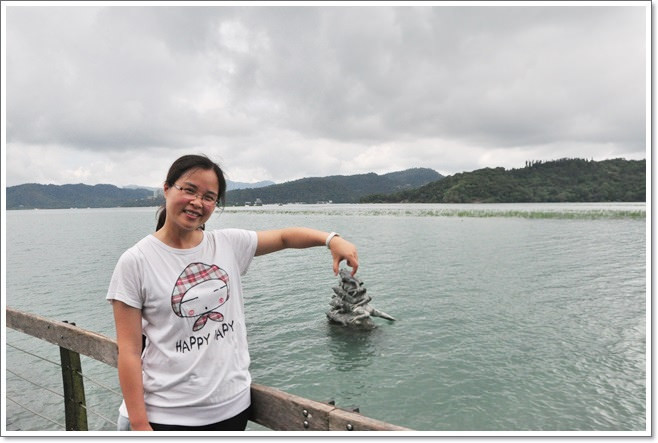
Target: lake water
[{"x": 524, "y": 317}]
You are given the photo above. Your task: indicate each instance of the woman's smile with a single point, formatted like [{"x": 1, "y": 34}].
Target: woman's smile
[{"x": 193, "y": 214}]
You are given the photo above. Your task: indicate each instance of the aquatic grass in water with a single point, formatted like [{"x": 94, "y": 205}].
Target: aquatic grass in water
[
  {"x": 581, "y": 215},
  {"x": 478, "y": 211}
]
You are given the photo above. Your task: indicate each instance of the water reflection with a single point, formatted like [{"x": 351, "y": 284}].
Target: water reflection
[{"x": 351, "y": 348}]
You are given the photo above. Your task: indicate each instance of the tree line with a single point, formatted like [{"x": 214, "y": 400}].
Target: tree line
[{"x": 562, "y": 180}]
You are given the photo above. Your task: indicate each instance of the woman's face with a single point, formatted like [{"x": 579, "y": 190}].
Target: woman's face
[{"x": 189, "y": 211}]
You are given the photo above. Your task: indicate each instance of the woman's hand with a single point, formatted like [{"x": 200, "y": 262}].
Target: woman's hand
[{"x": 341, "y": 249}]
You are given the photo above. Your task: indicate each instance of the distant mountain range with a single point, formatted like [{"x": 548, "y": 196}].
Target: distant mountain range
[
  {"x": 563, "y": 180},
  {"x": 339, "y": 189},
  {"x": 335, "y": 188}
]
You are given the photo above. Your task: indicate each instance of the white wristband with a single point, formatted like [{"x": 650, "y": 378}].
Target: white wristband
[{"x": 332, "y": 235}]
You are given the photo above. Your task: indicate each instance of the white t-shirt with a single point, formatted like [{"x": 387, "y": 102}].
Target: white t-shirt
[{"x": 196, "y": 360}]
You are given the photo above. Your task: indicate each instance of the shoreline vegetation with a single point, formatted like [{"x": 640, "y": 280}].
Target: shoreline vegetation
[
  {"x": 560, "y": 212},
  {"x": 559, "y": 181}
]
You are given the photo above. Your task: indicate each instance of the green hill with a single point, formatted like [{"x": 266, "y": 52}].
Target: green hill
[
  {"x": 336, "y": 188},
  {"x": 32, "y": 195},
  {"x": 563, "y": 180}
]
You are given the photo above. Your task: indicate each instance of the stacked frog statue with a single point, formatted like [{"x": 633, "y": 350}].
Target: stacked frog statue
[{"x": 349, "y": 305}]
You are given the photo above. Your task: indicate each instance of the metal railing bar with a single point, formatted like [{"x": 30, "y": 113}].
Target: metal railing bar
[
  {"x": 36, "y": 384},
  {"x": 34, "y": 355},
  {"x": 60, "y": 395},
  {"x": 99, "y": 415},
  {"x": 35, "y": 412},
  {"x": 114, "y": 391}
]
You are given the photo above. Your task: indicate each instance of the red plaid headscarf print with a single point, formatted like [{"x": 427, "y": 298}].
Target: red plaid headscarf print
[{"x": 194, "y": 274}]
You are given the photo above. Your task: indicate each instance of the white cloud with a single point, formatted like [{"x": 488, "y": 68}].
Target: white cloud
[{"x": 279, "y": 93}]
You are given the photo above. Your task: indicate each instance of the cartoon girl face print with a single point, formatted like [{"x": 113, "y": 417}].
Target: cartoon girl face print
[{"x": 199, "y": 291}]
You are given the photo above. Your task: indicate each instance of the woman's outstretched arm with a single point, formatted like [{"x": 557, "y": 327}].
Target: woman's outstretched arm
[{"x": 299, "y": 238}]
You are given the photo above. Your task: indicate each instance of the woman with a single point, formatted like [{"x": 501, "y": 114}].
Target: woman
[{"x": 180, "y": 287}]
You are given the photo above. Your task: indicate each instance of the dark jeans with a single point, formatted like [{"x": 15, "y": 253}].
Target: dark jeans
[{"x": 237, "y": 423}]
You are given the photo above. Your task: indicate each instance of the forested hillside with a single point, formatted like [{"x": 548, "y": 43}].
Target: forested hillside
[
  {"x": 563, "y": 180},
  {"x": 32, "y": 195},
  {"x": 336, "y": 188}
]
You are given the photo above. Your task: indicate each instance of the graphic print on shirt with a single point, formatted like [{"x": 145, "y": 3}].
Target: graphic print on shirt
[{"x": 199, "y": 291}]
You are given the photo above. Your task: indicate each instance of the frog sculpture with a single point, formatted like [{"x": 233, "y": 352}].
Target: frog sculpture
[{"x": 349, "y": 304}]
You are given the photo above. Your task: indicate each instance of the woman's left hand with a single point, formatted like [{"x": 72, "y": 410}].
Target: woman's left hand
[{"x": 341, "y": 249}]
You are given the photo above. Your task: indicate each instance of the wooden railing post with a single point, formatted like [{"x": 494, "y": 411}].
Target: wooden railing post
[{"x": 74, "y": 390}]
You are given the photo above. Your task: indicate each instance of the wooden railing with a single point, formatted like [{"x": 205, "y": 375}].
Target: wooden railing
[{"x": 272, "y": 408}]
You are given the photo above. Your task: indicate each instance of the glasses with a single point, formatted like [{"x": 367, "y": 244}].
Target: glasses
[{"x": 207, "y": 199}]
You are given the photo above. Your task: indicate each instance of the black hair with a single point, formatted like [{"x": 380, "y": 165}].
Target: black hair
[{"x": 180, "y": 167}]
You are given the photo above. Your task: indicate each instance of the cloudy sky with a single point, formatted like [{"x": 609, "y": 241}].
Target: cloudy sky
[{"x": 114, "y": 94}]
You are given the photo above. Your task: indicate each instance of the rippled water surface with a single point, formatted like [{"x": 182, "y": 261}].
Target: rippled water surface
[{"x": 509, "y": 317}]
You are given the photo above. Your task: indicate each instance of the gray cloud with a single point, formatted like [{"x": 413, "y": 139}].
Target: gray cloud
[{"x": 285, "y": 92}]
